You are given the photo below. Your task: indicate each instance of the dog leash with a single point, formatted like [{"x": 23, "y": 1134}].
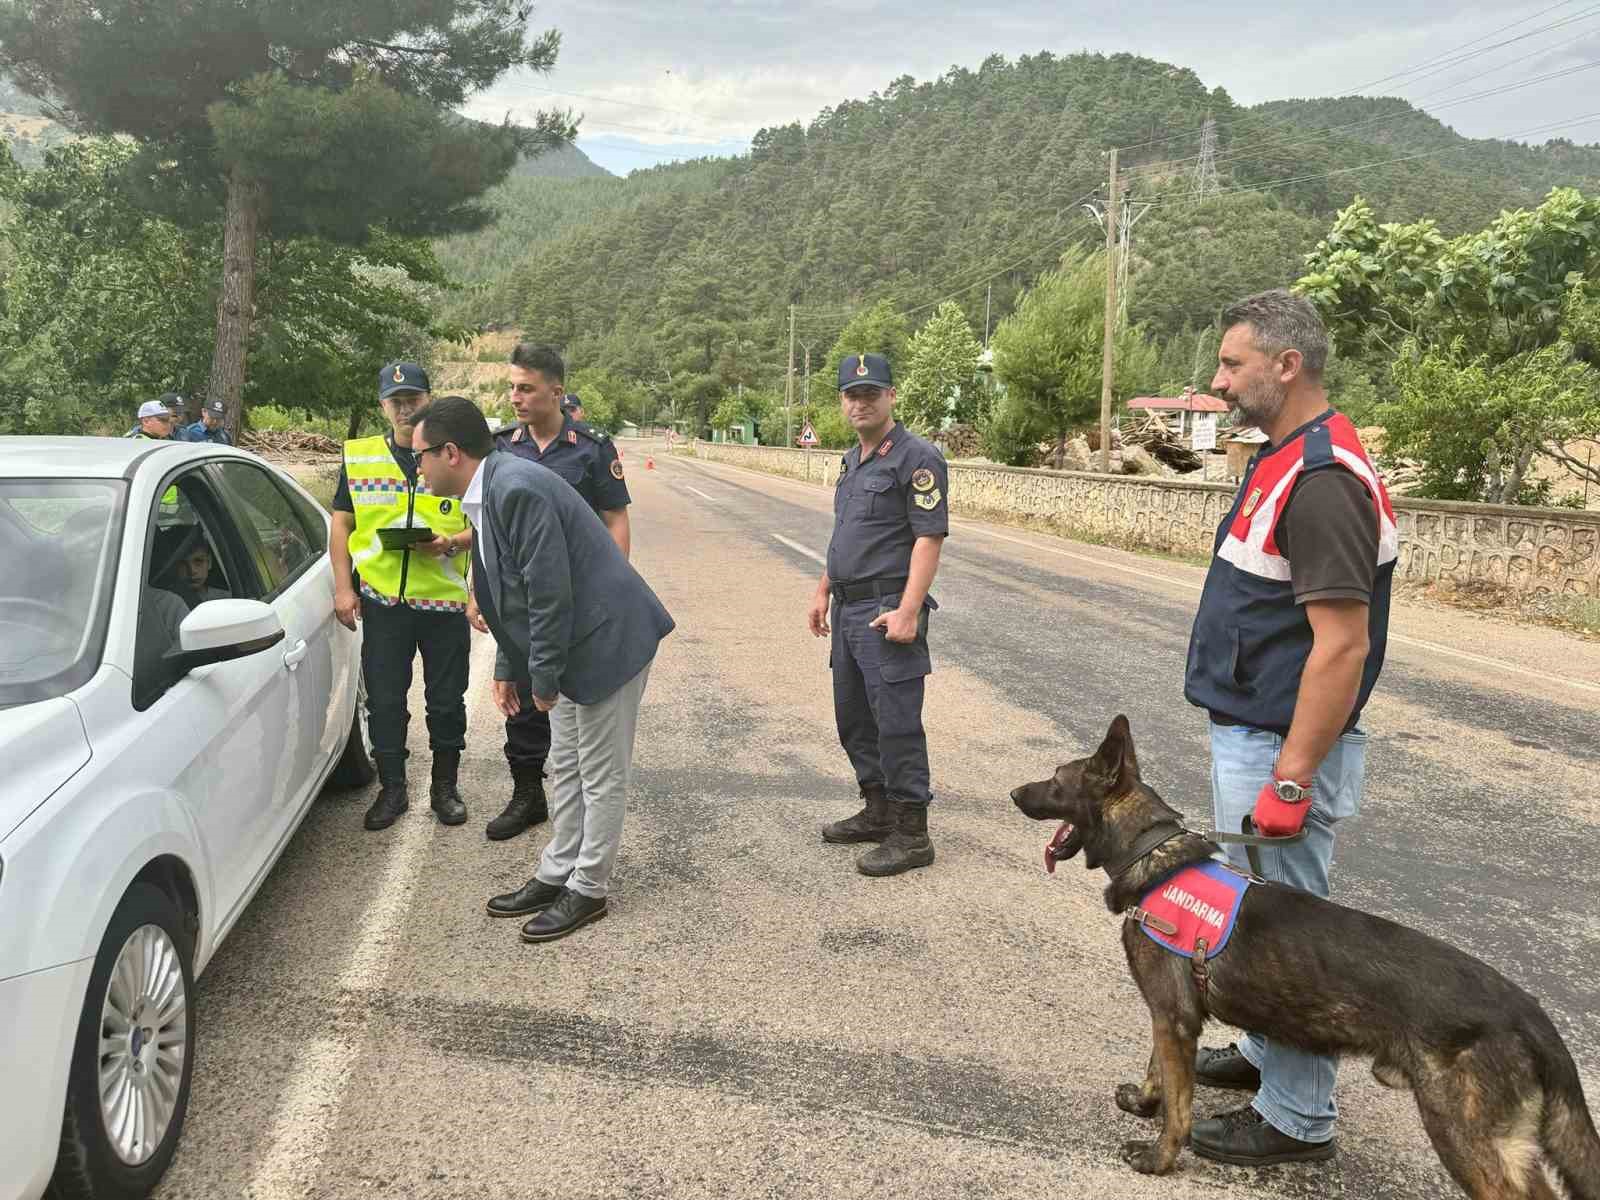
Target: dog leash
[{"x": 1250, "y": 841}]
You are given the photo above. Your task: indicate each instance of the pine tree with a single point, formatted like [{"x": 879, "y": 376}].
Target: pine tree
[{"x": 325, "y": 119}]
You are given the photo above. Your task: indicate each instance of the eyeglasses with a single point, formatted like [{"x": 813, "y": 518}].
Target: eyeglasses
[{"x": 419, "y": 451}]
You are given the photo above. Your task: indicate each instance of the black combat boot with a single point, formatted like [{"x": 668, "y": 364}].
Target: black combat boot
[
  {"x": 392, "y": 799},
  {"x": 443, "y": 796},
  {"x": 527, "y": 805},
  {"x": 907, "y": 845},
  {"x": 872, "y": 824}
]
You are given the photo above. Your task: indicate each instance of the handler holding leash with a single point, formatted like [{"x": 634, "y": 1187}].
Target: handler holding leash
[
  {"x": 891, "y": 517},
  {"x": 1286, "y": 648}
]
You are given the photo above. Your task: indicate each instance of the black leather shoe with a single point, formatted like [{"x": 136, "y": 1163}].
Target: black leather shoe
[
  {"x": 571, "y": 912},
  {"x": 386, "y": 809},
  {"x": 1226, "y": 1068},
  {"x": 534, "y": 896},
  {"x": 1243, "y": 1137}
]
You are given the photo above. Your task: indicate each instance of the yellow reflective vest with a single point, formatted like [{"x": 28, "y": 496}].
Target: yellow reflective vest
[{"x": 383, "y": 499}]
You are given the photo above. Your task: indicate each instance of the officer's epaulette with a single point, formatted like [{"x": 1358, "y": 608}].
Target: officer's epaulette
[
  {"x": 505, "y": 430},
  {"x": 590, "y": 432}
]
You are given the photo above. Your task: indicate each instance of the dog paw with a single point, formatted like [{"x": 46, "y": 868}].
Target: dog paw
[
  {"x": 1145, "y": 1158},
  {"x": 1131, "y": 1099}
]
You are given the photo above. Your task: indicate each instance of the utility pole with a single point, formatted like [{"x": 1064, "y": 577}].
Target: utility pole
[
  {"x": 788, "y": 397},
  {"x": 988, "y": 299},
  {"x": 808, "y": 375},
  {"x": 1108, "y": 353}
]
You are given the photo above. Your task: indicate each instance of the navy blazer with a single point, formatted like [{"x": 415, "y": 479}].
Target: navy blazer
[{"x": 568, "y": 612}]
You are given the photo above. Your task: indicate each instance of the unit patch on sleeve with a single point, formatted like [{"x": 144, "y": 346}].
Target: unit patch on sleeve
[
  {"x": 922, "y": 479},
  {"x": 928, "y": 500},
  {"x": 616, "y": 468}
]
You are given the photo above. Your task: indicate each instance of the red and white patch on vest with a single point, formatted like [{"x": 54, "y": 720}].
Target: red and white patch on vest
[{"x": 1200, "y": 901}]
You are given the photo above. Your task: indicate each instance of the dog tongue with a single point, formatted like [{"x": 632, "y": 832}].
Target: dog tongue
[{"x": 1055, "y": 843}]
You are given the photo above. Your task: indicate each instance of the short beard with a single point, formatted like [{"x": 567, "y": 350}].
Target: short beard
[{"x": 1261, "y": 403}]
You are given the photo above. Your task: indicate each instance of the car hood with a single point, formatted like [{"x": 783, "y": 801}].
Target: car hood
[{"x": 42, "y": 746}]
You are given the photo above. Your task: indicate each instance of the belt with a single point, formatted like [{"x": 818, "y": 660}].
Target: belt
[{"x": 868, "y": 589}]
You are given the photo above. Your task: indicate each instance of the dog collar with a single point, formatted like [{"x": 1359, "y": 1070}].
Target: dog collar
[{"x": 1146, "y": 844}]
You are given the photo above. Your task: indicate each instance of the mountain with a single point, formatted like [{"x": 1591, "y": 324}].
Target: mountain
[
  {"x": 971, "y": 182},
  {"x": 566, "y": 163}
]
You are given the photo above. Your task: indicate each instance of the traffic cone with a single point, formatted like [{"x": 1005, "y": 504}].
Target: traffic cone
[{"x": 649, "y": 463}]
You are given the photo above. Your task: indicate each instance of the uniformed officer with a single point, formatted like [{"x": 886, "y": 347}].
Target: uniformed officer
[
  {"x": 891, "y": 516},
  {"x": 411, "y": 596},
  {"x": 156, "y": 420},
  {"x": 547, "y": 433},
  {"x": 573, "y": 407},
  {"x": 211, "y": 427}
]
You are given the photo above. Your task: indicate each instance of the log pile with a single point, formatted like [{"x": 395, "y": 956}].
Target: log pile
[
  {"x": 960, "y": 441},
  {"x": 1152, "y": 433},
  {"x": 291, "y": 445}
]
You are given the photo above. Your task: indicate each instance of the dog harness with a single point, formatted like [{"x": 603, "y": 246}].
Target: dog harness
[{"x": 1192, "y": 912}]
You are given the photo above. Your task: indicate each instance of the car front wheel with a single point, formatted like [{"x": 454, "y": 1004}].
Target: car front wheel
[{"x": 128, "y": 1086}]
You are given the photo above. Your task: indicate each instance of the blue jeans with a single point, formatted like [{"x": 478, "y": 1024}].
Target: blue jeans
[{"x": 1296, "y": 1095}]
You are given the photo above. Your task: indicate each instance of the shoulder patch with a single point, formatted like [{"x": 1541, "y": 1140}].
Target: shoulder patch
[
  {"x": 922, "y": 479},
  {"x": 888, "y": 445},
  {"x": 616, "y": 468},
  {"x": 928, "y": 500}
]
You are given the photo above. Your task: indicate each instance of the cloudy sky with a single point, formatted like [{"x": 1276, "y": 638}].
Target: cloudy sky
[{"x": 656, "y": 80}]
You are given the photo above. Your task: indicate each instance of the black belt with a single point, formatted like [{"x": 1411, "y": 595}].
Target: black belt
[{"x": 868, "y": 589}]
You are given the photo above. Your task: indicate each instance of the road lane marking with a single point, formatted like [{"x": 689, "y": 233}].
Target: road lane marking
[
  {"x": 799, "y": 549},
  {"x": 1481, "y": 660},
  {"x": 309, "y": 1109},
  {"x": 699, "y": 493}
]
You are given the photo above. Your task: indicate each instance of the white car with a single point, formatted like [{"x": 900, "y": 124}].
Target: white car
[{"x": 174, "y": 692}]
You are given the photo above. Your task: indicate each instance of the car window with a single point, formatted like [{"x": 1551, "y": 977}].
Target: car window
[
  {"x": 192, "y": 555},
  {"x": 58, "y": 540},
  {"x": 274, "y": 535},
  {"x": 313, "y": 519}
]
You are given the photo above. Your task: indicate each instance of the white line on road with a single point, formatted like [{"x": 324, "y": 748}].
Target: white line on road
[
  {"x": 307, "y": 1114},
  {"x": 799, "y": 549},
  {"x": 699, "y": 493},
  {"x": 1481, "y": 660}
]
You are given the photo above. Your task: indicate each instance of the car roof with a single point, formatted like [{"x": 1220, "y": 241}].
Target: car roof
[{"x": 95, "y": 457}]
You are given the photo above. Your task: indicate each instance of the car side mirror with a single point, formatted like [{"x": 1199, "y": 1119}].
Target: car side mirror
[{"x": 223, "y": 630}]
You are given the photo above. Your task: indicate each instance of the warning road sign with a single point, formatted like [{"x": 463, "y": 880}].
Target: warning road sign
[{"x": 808, "y": 435}]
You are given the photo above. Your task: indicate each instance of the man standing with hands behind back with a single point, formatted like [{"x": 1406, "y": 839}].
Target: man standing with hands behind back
[
  {"x": 576, "y": 628},
  {"x": 891, "y": 517},
  {"x": 1287, "y": 646}
]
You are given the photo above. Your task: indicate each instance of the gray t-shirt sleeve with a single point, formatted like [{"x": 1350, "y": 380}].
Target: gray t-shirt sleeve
[{"x": 1329, "y": 534}]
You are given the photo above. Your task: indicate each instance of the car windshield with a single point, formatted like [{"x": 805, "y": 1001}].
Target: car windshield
[{"x": 56, "y": 538}]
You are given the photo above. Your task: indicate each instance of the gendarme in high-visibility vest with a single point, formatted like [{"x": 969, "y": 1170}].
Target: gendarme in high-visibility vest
[{"x": 384, "y": 499}]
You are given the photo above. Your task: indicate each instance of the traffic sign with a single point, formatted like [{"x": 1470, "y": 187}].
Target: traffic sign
[{"x": 808, "y": 435}]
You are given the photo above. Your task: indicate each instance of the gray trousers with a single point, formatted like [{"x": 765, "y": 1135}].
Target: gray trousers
[{"x": 591, "y": 759}]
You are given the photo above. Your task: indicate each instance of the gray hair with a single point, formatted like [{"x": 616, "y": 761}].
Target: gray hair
[{"x": 1279, "y": 320}]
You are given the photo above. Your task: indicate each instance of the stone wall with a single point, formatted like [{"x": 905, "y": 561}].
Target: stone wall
[{"x": 1524, "y": 549}]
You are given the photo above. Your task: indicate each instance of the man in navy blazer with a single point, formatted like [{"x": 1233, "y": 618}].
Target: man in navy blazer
[{"x": 576, "y": 630}]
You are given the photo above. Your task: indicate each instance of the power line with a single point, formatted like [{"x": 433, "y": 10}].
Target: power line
[
  {"x": 681, "y": 112},
  {"x": 1249, "y": 118},
  {"x": 1171, "y": 197},
  {"x": 1319, "y": 135}
]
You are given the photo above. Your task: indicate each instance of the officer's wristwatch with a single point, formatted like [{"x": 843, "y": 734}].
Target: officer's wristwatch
[
  {"x": 450, "y": 548},
  {"x": 1289, "y": 791}
]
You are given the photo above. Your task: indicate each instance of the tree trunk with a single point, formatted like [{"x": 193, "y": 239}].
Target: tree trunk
[
  {"x": 355, "y": 423},
  {"x": 237, "y": 302}
]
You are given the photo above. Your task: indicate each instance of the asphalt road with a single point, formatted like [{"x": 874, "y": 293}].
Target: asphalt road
[{"x": 756, "y": 1019}]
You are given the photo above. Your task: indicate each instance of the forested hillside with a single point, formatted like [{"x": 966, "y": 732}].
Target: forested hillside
[{"x": 681, "y": 278}]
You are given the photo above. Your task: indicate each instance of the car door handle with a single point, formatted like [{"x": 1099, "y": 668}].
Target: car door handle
[{"x": 295, "y": 653}]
